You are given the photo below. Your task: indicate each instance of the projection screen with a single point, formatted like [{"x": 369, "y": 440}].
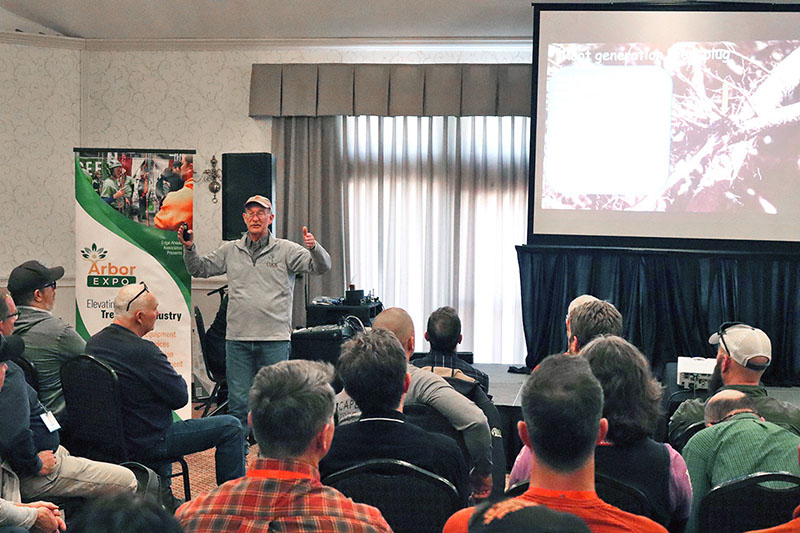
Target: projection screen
[{"x": 676, "y": 122}]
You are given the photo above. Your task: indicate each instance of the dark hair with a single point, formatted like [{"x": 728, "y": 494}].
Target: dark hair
[
  {"x": 373, "y": 368},
  {"x": 632, "y": 395},
  {"x": 562, "y": 406},
  {"x": 444, "y": 328},
  {"x": 124, "y": 512},
  {"x": 724, "y": 403},
  {"x": 290, "y": 402},
  {"x": 24, "y": 297},
  {"x": 592, "y": 319}
]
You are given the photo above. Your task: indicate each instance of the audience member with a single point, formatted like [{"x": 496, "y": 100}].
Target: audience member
[
  {"x": 8, "y": 313},
  {"x": 151, "y": 389},
  {"x": 632, "y": 406},
  {"x": 590, "y": 319},
  {"x": 587, "y": 318},
  {"x": 515, "y": 516},
  {"x": 429, "y": 389},
  {"x": 49, "y": 340},
  {"x": 444, "y": 334},
  {"x": 736, "y": 442},
  {"x": 291, "y": 413},
  {"x": 562, "y": 411},
  {"x": 744, "y": 353},
  {"x": 30, "y": 443},
  {"x": 124, "y": 513},
  {"x": 373, "y": 368},
  {"x": 17, "y": 517}
]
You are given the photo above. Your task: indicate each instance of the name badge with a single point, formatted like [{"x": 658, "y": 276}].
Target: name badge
[{"x": 50, "y": 421}]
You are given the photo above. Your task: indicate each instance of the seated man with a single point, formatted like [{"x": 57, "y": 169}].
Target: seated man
[
  {"x": 373, "y": 368},
  {"x": 30, "y": 443},
  {"x": 429, "y": 389},
  {"x": 16, "y": 516},
  {"x": 735, "y": 443},
  {"x": 444, "y": 334},
  {"x": 291, "y": 413},
  {"x": 49, "y": 341},
  {"x": 743, "y": 354},
  {"x": 151, "y": 389},
  {"x": 562, "y": 404}
]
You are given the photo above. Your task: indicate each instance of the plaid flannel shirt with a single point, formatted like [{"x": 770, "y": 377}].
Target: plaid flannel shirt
[{"x": 278, "y": 495}]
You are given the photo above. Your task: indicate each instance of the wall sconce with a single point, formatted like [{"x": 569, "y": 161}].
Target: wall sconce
[{"x": 213, "y": 176}]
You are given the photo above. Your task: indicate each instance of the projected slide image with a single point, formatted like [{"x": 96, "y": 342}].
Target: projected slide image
[{"x": 697, "y": 127}]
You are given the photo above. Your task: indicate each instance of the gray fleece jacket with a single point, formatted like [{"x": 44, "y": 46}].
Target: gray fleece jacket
[{"x": 260, "y": 290}]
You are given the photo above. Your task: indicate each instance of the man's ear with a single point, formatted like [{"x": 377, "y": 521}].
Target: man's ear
[
  {"x": 522, "y": 430},
  {"x": 602, "y": 431},
  {"x": 573, "y": 345},
  {"x": 411, "y": 344},
  {"x": 406, "y": 382},
  {"x": 426, "y": 336},
  {"x": 460, "y": 338},
  {"x": 325, "y": 437}
]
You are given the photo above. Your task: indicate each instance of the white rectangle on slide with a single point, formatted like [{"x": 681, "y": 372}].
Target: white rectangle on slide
[{"x": 609, "y": 130}]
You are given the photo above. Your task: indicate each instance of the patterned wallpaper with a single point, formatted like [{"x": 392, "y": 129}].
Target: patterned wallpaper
[
  {"x": 39, "y": 126},
  {"x": 200, "y": 99}
]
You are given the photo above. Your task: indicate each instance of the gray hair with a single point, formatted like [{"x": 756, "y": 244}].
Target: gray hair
[
  {"x": 124, "y": 297},
  {"x": 3, "y": 303},
  {"x": 290, "y": 402},
  {"x": 594, "y": 318}
]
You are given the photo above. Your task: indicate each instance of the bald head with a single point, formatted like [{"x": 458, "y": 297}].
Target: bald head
[
  {"x": 136, "y": 308},
  {"x": 580, "y": 300},
  {"x": 398, "y": 322},
  {"x": 726, "y": 403}
]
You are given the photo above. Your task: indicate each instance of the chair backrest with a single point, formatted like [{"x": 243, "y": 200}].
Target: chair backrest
[
  {"x": 623, "y": 496},
  {"x": 31, "y": 374},
  {"x": 94, "y": 409},
  {"x": 215, "y": 370},
  {"x": 680, "y": 396},
  {"x": 757, "y": 501},
  {"x": 411, "y": 499}
]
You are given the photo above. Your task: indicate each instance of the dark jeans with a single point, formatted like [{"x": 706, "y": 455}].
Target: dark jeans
[{"x": 223, "y": 432}]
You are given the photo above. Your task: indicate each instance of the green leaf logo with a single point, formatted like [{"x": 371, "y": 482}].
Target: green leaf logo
[{"x": 93, "y": 253}]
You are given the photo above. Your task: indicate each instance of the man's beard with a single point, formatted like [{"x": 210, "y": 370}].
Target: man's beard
[{"x": 715, "y": 383}]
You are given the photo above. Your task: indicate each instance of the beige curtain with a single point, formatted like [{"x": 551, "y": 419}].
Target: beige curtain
[
  {"x": 435, "y": 207},
  {"x": 309, "y": 193}
]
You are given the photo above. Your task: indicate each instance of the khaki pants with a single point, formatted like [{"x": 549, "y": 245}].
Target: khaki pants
[{"x": 77, "y": 477}]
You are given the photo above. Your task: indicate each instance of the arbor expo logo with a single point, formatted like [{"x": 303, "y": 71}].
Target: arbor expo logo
[{"x": 106, "y": 275}]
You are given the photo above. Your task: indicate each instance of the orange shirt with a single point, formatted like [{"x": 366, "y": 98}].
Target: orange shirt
[
  {"x": 598, "y": 515},
  {"x": 176, "y": 208}
]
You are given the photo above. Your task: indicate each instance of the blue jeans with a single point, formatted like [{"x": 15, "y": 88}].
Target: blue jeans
[
  {"x": 243, "y": 361},
  {"x": 222, "y": 432}
]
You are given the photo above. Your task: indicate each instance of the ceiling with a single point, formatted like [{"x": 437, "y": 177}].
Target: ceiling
[{"x": 278, "y": 19}]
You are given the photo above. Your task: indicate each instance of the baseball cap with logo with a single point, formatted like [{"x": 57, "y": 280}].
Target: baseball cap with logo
[
  {"x": 263, "y": 201},
  {"x": 743, "y": 343},
  {"x": 32, "y": 275}
]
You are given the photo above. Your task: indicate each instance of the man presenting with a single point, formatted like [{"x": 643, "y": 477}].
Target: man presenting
[{"x": 261, "y": 272}]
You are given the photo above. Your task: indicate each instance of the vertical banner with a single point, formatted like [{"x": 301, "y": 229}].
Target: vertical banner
[{"x": 128, "y": 206}]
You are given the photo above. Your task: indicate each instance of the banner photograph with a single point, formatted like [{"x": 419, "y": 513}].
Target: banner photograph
[{"x": 128, "y": 206}]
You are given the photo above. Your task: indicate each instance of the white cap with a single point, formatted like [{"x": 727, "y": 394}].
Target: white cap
[{"x": 743, "y": 342}]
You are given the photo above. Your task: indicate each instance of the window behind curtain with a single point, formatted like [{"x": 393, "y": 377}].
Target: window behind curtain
[{"x": 434, "y": 208}]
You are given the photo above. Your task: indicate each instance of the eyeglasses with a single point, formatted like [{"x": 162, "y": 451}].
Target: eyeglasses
[
  {"x": 51, "y": 284},
  {"x": 256, "y": 214},
  {"x": 12, "y": 315},
  {"x": 144, "y": 290}
]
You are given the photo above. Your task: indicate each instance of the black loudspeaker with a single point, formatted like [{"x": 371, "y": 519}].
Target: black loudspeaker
[{"x": 243, "y": 175}]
